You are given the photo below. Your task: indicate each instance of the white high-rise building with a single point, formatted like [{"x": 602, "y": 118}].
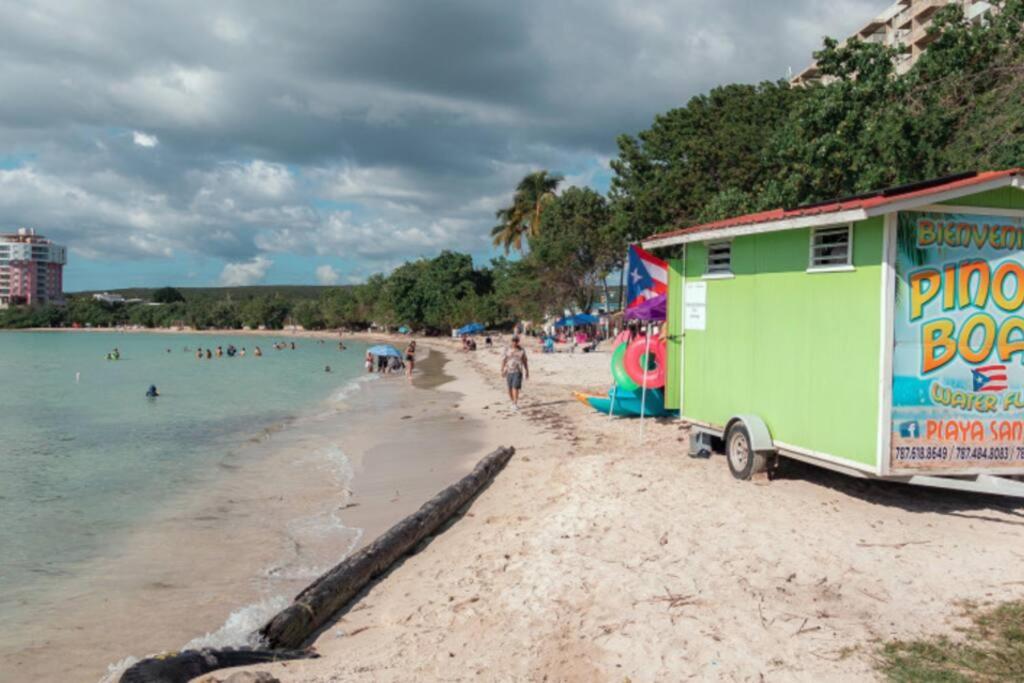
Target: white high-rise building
[{"x": 904, "y": 24}]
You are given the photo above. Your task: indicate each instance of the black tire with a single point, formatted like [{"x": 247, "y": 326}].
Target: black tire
[{"x": 744, "y": 463}]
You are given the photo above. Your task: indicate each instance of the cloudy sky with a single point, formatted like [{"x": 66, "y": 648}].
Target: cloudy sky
[{"x": 198, "y": 143}]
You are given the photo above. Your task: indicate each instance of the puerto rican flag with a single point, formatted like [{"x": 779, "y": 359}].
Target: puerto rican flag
[
  {"x": 646, "y": 278},
  {"x": 990, "y": 378}
]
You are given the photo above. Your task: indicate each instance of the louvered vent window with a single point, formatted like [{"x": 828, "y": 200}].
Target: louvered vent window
[
  {"x": 831, "y": 248},
  {"x": 719, "y": 258}
]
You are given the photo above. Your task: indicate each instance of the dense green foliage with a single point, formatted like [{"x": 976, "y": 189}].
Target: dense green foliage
[
  {"x": 576, "y": 250},
  {"x": 747, "y": 148},
  {"x": 668, "y": 173},
  {"x": 738, "y": 148},
  {"x": 167, "y": 295}
]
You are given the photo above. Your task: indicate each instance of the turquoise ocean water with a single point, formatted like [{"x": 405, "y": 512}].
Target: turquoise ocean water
[{"x": 82, "y": 461}]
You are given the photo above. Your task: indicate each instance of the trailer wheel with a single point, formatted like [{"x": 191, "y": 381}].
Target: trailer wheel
[{"x": 744, "y": 462}]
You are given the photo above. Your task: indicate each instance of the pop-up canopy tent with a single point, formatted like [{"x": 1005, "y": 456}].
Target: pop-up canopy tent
[
  {"x": 578, "y": 320},
  {"x": 472, "y": 328}
]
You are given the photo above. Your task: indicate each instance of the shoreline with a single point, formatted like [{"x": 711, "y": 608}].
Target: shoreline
[{"x": 250, "y": 548}]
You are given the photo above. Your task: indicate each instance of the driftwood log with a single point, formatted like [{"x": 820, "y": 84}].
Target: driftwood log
[
  {"x": 291, "y": 627},
  {"x": 181, "y": 667}
]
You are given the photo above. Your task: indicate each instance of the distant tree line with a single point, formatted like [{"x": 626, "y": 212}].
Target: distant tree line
[{"x": 739, "y": 148}]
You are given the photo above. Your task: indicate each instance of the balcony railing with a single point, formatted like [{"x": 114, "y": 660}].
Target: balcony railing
[{"x": 925, "y": 7}]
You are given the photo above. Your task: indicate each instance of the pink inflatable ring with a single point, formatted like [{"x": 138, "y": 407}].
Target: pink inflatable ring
[{"x": 635, "y": 354}]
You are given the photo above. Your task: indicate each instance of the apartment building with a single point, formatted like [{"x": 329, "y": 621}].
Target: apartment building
[
  {"x": 31, "y": 269},
  {"x": 903, "y": 24}
]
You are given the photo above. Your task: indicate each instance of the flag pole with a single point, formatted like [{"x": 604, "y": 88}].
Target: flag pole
[{"x": 643, "y": 391}]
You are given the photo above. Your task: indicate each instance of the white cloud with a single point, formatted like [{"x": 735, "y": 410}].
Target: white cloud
[
  {"x": 349, "y": 182},
  {"x": 327, "y": 275},
  {"x": 246, "y": 273},
  {"x": 144, "y": 139}
]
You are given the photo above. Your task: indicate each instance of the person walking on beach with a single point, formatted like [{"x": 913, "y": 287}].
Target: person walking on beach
[
  {"x": 410, "y": 358},
  {"x": 515, "y": 369}
]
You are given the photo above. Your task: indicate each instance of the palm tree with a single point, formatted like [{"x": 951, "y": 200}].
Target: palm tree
[
  {"x": 509, "y": 231},
  {"x": 524, "y": 217}
]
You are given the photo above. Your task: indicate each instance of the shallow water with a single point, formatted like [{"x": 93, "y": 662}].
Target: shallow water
[{"x": 89, "y": 466}]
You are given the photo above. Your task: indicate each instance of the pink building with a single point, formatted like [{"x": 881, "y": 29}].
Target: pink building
[{"x": 31, "y": 269}]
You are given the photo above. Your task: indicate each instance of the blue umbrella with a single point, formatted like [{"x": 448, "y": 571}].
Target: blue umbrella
[
  {"x": 472, "y": 328},
  {"x": 403, "y": 330},
  {"x": 384, "y": 350},
  {"x": 577, "y": 320}
]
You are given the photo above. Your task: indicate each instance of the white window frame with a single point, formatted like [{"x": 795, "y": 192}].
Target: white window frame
[
  {"x": 831, "y": 267},
  {"x": 717, "y": 274}
]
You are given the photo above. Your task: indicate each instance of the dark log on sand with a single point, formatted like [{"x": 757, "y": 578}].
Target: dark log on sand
[
  {"x": 332, "y": 591},
  {"x": 181, "y": 667}
]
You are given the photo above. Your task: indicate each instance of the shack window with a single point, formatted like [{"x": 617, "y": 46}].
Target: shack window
[
  {"x": 831, "y": 248},
  {"x": 719, "y": 258}
]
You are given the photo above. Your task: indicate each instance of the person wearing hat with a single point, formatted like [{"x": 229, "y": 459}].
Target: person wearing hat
[{"x": 514, "y": 368}]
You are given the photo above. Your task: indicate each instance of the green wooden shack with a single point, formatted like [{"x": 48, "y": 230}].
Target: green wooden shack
[{"x": 878, "y": 335}]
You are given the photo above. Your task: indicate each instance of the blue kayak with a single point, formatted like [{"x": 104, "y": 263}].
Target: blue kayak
[{"x": 627, "y": 403}]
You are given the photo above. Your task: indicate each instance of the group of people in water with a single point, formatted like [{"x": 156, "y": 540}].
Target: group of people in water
[
  {"x": 231, "y": 351},
  {"x": 390, "y": 364}
]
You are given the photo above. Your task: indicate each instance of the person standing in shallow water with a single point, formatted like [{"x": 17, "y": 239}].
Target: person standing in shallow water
[
  {"x": 514, "y": 368},
  {"x": 410, "y": 358}
]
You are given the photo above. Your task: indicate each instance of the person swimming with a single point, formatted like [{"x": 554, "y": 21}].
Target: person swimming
[
  {"x": 241, "y": 354},
  {"x": 257, "y": 351},
  {"x": 152, "y": 392},
  {"x": 209, "y": 354},
  {"x": 327, "y": 368}
]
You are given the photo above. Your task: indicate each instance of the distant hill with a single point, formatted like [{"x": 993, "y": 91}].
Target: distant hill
[{"x": 290, "y": 292}]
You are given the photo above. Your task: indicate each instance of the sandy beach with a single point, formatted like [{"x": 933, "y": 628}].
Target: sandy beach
[{"x": 594, "y": 557}]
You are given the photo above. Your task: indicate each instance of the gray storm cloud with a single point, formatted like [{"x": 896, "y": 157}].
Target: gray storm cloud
[{"x": 244, "y": 129}]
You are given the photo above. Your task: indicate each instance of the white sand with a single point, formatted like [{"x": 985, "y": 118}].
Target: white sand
[{"x": 593, "y": 558}]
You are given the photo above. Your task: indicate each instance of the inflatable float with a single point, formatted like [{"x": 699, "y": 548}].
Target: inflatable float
[
  {"x": 626, "y": 403},
  {"x": 636, "y": 365}
]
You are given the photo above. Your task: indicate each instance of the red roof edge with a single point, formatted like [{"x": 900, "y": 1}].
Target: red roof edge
[{"x": 869, "y": 201}]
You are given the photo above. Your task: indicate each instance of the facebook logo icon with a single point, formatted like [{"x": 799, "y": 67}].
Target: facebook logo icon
[{"x": 909, "y": 430}]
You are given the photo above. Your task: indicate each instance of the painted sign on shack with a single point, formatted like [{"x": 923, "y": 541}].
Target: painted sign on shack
[{"x": 958, "y": 363}]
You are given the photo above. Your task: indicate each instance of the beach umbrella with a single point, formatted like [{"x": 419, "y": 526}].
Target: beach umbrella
[
  {"x": 578, "y": 320},
  {"x": 403, "y": 330},
  {"x": 472, "y": 328},
  {"x": 384, "y": 350},
  {"x": 653, "y": 309}
]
